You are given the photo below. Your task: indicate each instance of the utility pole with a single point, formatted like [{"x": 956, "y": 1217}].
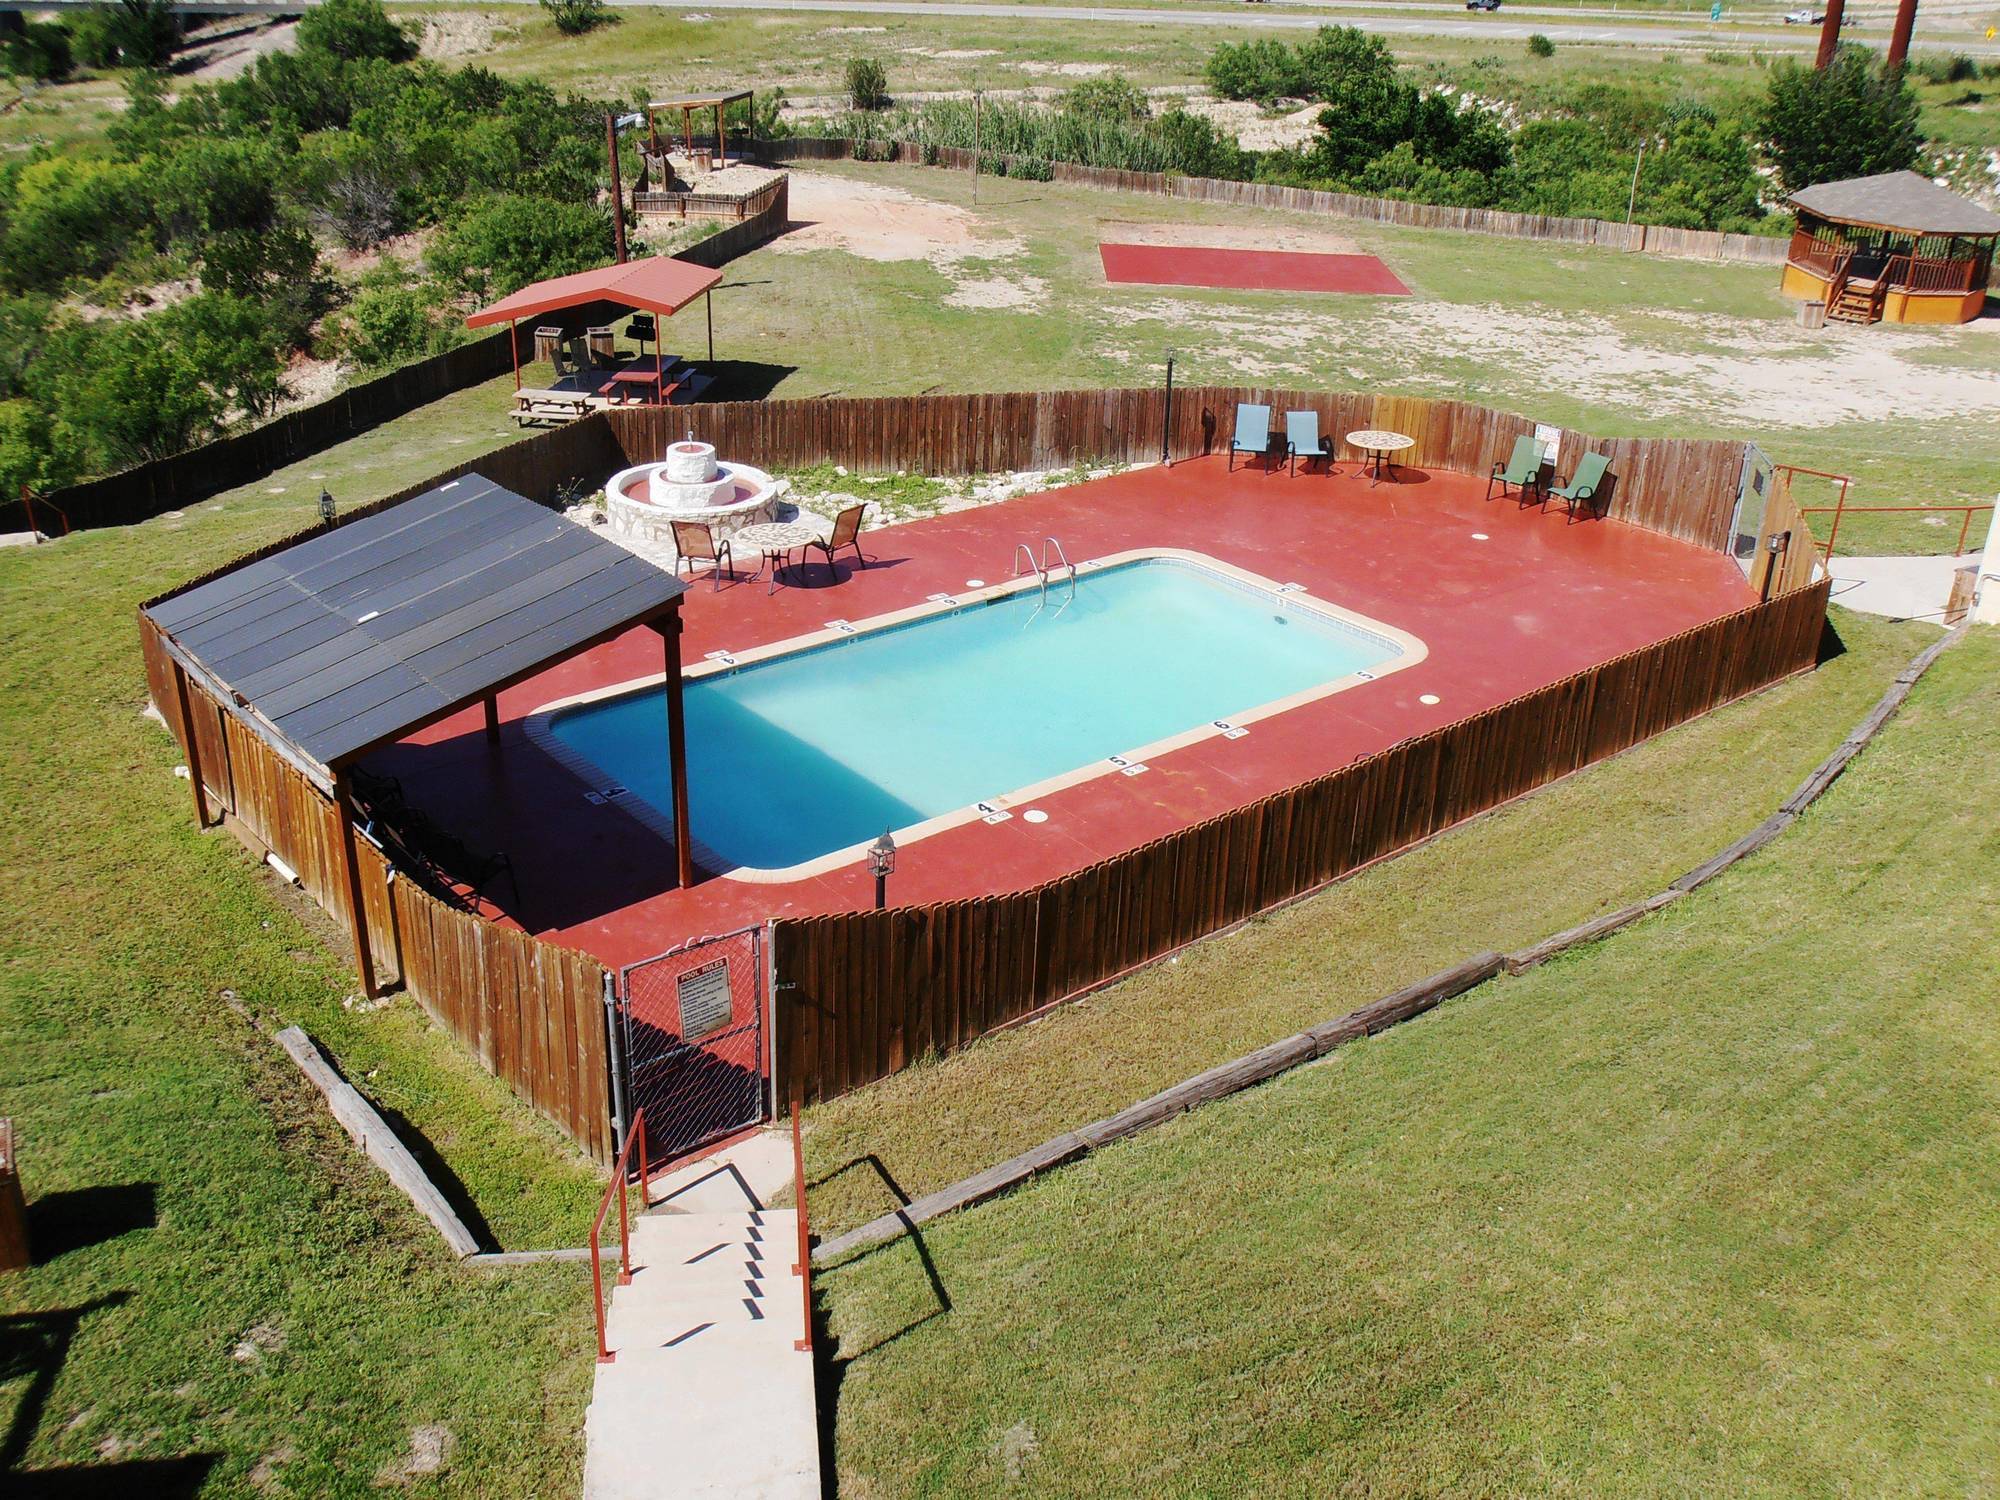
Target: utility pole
[
  {"x": 1829, "y": 34},
  {"x": 617, "y": 188},
  {"x": 1899, "y": 39},
  {"x": 1632, "y": 198}
]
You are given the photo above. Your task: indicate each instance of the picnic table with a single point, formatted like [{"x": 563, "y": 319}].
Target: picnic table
[{"x": 1378, "y": 443}]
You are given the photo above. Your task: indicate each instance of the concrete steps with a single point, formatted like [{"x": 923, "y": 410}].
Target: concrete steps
[{"x": 707, "y": 1395}]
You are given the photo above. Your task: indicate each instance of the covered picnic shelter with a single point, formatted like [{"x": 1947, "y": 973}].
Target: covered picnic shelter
[
  {"x": 655, "y": 286},
  {"x": 364, "y": 633},
  {"x": 1894, "y": 247},
  {"x": 688, "y": 106}
]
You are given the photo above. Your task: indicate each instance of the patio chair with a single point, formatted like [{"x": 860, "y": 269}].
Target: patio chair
[
  {"x": 1583, "y": 484},
  {"x": 846, "y": 533},
  {"x": 1523, "y": 470},
  {"x": 1302, "y": 440},
  {"x": 1253, "y": 431},
  {"x": 696, "y": 543}
]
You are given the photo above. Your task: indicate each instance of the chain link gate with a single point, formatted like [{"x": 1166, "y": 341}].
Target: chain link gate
[{"x": 696, "y": 1058}]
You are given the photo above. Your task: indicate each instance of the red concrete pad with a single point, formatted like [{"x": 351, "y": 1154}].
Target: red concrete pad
[
  {"x": 1506, "y": 598},
  {"x": 1249, "y": 270}
]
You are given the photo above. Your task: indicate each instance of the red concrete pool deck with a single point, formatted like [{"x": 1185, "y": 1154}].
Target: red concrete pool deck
[{"x": 1506, "y": 599}]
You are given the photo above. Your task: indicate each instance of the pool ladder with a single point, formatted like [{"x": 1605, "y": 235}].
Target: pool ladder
[{"x": 1024, "y": 552}]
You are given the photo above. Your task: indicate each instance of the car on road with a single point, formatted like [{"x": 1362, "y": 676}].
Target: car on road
[
  {"x": 1807, "y": 17},
  {"x": 1482, "y": 4}
]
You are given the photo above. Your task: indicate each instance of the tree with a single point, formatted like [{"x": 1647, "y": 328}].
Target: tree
[
  {"x": 1848, "y": 119},
  {"x": 39, "y": 51},
  {"x": 1263, "y": 70},
  {"x": 501, "y": 244},
  {"x": 1115, "y": 98},
  {"x": 355, "y": 29},
  {"x": 127, "y": 393},
  {"x": 71, "y": 216}
]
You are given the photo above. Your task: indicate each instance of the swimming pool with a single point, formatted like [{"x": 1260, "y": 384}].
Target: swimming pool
[{"x": 910, "y": 723}]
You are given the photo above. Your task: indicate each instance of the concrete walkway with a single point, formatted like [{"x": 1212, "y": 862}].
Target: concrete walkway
[
  {"x": 1900, "y": 588},
  {"x": 708, "y": 1395}
]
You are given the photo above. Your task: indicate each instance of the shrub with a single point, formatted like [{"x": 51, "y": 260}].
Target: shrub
[
  {"x": 355, "y": 29},
  {"x": 576, "y": 17},
  {"x": 1034, "y": 169},
  {"x": 1114, "y": 98},
  {"x": 1944, "y": 67},
  {"x": 1540, "y": 46},
  {"x": 128, "y": 392},
  {"x": 502, "y": 243},
  {"x": 72, "y": 216},
  {"x": 393, "y": 320},
  {"x": 1848, "y": 119},
  {"x": 867, "y": 84},
  {"x": 1262, "y": 70},
  {"x": 40, "y": 51}
]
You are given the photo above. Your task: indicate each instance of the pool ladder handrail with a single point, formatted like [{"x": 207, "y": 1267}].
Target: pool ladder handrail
[{"x": 1021, "y": 550}]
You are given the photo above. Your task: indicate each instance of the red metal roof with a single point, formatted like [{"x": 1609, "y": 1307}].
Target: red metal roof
[{"x": 658, "y": 284}]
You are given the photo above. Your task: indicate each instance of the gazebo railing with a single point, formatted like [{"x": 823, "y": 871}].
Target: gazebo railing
[{"x": 1926, "y": 273}]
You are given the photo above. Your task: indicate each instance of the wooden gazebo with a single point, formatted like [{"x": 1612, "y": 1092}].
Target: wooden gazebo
[
  {"x": 687, "y": 107},
  {"x": 1891, "y": 248}
]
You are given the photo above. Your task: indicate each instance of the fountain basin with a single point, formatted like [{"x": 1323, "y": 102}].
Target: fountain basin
[{"x": 690, "y": 484}]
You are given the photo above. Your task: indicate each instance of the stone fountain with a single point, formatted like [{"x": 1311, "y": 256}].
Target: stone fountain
[{"x": 690, "y": 484}]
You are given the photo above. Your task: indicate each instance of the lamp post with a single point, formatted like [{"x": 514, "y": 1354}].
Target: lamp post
[
  {"x": 1167, "y": 419},
  {"x": 882, "y": 864},
  {"x": 326, "y": 507}
]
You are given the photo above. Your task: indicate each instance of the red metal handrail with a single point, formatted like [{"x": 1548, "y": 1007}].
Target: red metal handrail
[
  {"x": 1837, "y": 511},
  {"x": 635, "y": 1132},
  {"x": 804, "y": 1269}
]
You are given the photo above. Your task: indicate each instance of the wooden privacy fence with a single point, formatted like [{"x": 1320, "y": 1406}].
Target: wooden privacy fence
[
  {"x": 531, "y": 1012},
  {"x": 1649, "y": 239},
  {"x": 876, "y": 990},
  {"x": 1681, "y": 486},
  {"x": 862, "y": 994}
]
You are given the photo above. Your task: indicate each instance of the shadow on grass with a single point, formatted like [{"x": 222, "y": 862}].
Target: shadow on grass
[
  {"x": 833, "y": 1361},
  {"x": 35, "y": 1347},
  {"x": 1831, "y": 646},
  {"x": 80, "y": 1217},
  {"x": 741, "y": 380}
]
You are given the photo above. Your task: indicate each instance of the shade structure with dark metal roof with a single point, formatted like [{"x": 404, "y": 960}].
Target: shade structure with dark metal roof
[{"x": 364, "y": 633}]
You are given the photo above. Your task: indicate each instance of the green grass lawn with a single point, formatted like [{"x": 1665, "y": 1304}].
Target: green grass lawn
[
  {"x": 278, "y": 1302},
  {"x": 1704, "y": 1209}
]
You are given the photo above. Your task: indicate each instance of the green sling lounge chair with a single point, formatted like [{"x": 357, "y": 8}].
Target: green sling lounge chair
[
  {"x": 1523, "y": 471},
  {"x": 1302, "y": 440},
  {"x": 1253, "y": 431},
  {"x": 1583, "y": 484}
]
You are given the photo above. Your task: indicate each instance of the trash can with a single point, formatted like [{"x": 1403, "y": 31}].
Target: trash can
[
  {"x": 548, "y": 345},
  {"x": 603, "y": 345},
  {"x": 1812, "y": 315}
]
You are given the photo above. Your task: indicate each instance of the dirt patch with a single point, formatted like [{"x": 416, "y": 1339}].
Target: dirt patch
[
  {"x": 1064, "y": 70},
  {"x": 431, "y": 1448},
  {"x": 461, "y": 33},
  {"x": 1736, "y": 371},
  {"x": 1226, "y": 237},
  {"x": 878, "y": 222},
  {"x": 952, "y": 54},
  {"x": 1253, "y": 128},
  {"x": 1024, "y": 293},
  {"x": 228, "y": 50}
]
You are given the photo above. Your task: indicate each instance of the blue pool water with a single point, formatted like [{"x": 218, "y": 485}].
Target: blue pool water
[{"x": 810, "y": 752}]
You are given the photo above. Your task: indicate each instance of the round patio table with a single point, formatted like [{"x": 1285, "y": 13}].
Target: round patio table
[
  {"x": 776, "y": 541},
  {"x": 1378, "y": 443}
]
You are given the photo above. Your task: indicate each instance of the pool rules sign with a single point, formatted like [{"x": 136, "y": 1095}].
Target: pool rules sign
[{"x": 703, "y": 995}]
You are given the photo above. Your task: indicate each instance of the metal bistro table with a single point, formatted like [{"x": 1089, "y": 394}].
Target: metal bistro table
[
  {"x": 776, "y": 541},
  {"x": 1378, "y": 443}
]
